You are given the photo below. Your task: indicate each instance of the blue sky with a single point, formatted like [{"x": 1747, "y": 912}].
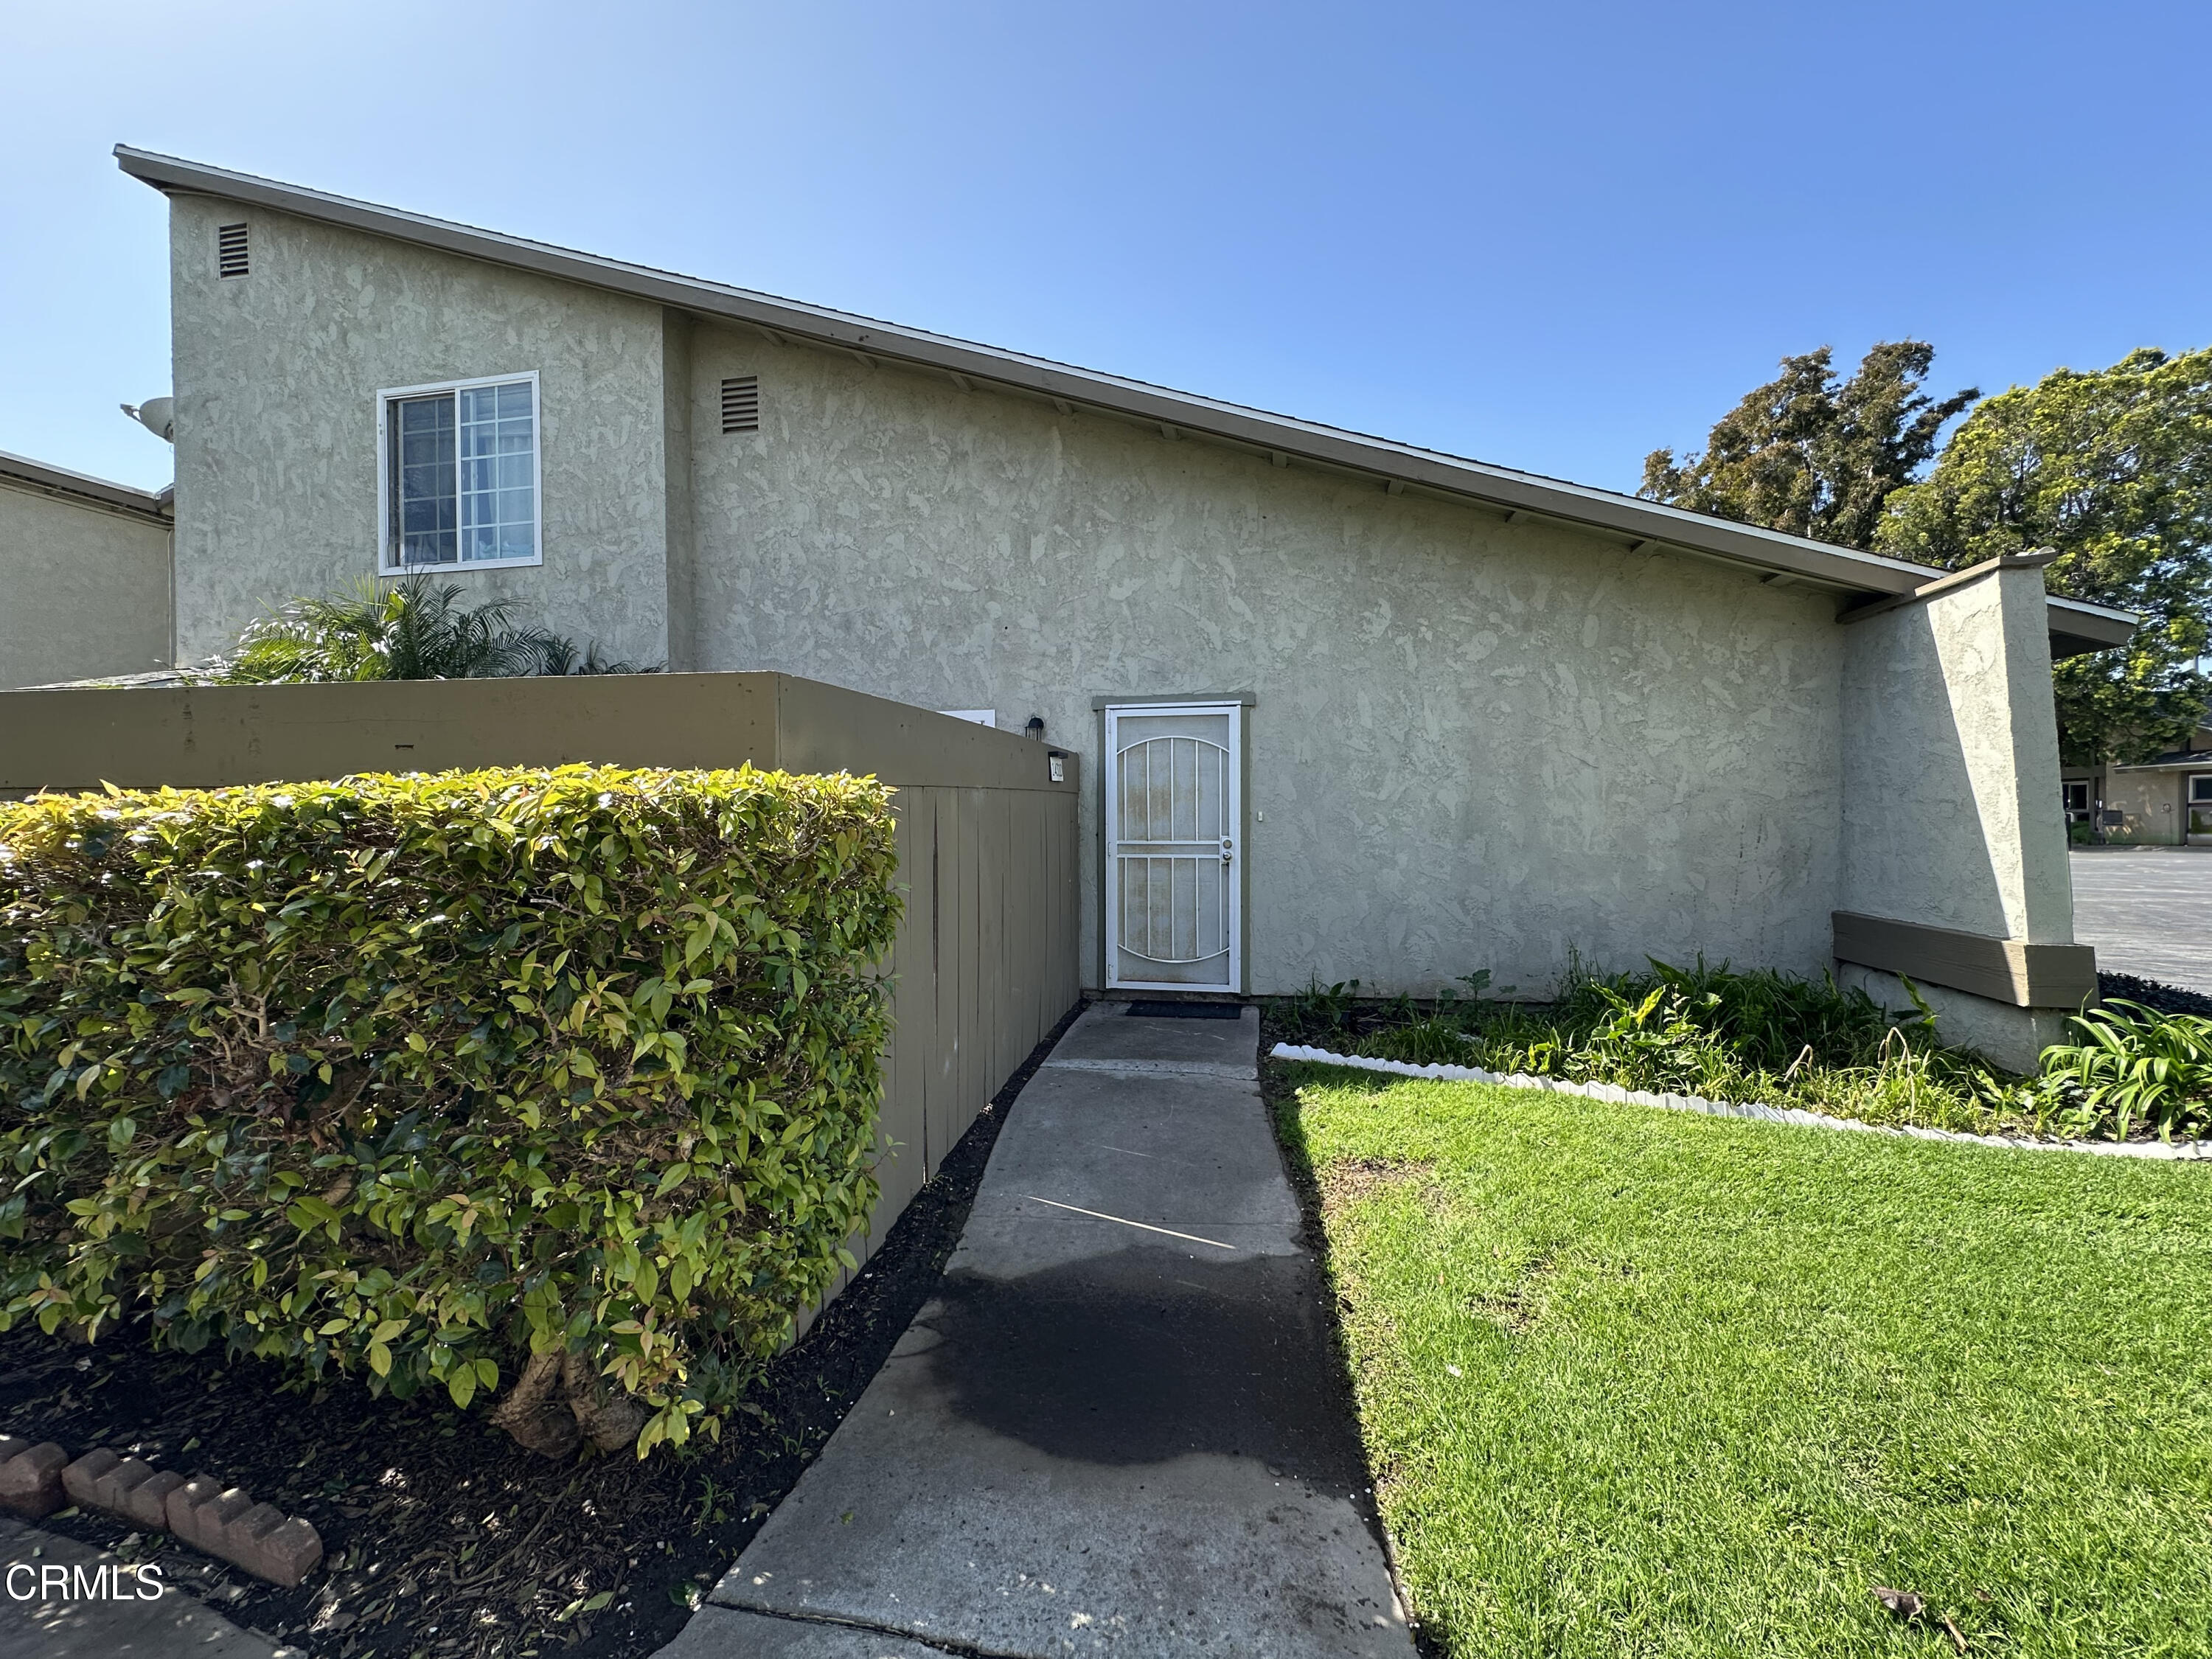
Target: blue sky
[{"x": 1552, "y": 236}]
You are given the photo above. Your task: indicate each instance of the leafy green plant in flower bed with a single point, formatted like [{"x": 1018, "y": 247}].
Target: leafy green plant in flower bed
[
  {"x": 2136, "y": 1065},
  {"x": 1763, "y": 1035},
  {"x": 562, "y": 1081}
]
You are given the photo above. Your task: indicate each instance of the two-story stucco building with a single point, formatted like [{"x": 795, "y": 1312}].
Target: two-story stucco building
[{"x": 1353, "y": 709}]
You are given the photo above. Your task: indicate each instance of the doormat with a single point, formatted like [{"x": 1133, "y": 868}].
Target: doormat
[{"x": 1186, "y": 1011}]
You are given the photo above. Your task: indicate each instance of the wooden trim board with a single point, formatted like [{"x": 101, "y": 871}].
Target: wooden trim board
[{"x": 2007, "y": 970}]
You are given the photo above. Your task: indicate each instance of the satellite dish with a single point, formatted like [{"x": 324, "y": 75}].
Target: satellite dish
[{"x": 157, "y": 415}]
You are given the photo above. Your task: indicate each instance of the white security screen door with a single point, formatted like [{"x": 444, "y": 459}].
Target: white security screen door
[{"x": 1174, "y": 832}]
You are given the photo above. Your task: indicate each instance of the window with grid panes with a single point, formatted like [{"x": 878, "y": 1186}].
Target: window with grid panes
[{"x": 461, "y": 475}]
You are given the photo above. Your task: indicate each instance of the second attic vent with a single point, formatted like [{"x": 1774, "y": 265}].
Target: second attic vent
[
  {"x": 230, "y": 250},
  {"x": 741, "y": 403}
]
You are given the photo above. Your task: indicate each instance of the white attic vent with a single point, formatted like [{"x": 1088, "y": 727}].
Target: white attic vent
[
  {"x": 741, "y": 403},
  {"x": 230, "y": 250}
]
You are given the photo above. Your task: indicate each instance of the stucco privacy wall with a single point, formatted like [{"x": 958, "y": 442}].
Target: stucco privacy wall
[
  {"x": 84, "y": 589},
  {"x": 276, "y": 375},
  {"x": 1474, "y": 744},
  {"x": 1951, "y": 810},
  {"x": 1952, "y": 815}
]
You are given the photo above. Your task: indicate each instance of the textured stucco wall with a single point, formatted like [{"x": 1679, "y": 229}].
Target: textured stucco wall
[
  {"x": 83, "y": 591},
  {"x": 1952, "y": 814},
  {"x": 275, "y": 381},
  {"x": 2152, "y": 804},
  {"x": 1474, "y": 744},
  {"x": 2013, "y": 1037},
  {"x": 680, "y": 605}
]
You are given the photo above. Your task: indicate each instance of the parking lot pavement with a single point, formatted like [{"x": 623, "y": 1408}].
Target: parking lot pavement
[{"x": 2147, "y": 911}]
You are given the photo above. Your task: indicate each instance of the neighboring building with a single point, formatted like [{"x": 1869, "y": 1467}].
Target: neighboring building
[
  {"x": 1356, "y": 709},
  {"x": 2167, "y": 802},
  {"x": 84, "y": 576}
]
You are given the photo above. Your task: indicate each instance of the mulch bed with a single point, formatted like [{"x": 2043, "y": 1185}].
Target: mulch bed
[
  {"x": 442, "y": 1538},
  {"x": 2167, "y": 999}
]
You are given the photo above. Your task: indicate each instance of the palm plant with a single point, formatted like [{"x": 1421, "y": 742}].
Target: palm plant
[
  {"x": 557, "y": 654},
  {"x": 416, "y": 629}
]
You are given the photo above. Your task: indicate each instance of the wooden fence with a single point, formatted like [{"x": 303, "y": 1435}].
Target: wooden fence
[{"x": 986, "y": 957}]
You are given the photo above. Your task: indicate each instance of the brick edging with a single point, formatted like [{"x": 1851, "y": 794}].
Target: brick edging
[{"x": 35, "y": 1480}]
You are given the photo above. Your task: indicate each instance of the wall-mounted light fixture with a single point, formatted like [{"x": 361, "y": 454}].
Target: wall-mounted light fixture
[{"x": 1035, "y": 729}]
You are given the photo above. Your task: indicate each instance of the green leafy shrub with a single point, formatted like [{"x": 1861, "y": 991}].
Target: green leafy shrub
[
  {"x": 1321, "y": 1012},
  {"x": 1711, "y": 1030},
  {"x": 565, "y": 1079},
  {"x": 2136, "y": 1065}
]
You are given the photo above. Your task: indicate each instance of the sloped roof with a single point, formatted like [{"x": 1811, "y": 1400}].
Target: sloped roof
[
  {"x": 1288, "y": 441},
  {"x": 21, "y": 469},
  {"x": 2078, "y": 627}
]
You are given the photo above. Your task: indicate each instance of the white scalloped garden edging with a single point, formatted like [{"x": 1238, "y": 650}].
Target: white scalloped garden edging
[{"x": 2186, "y": 1149}]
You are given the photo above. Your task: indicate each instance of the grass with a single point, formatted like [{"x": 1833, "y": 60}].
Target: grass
[{"x": 1641, "y": 1383}]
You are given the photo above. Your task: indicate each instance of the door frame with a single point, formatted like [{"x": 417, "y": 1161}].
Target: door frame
[{"x": 1110, "y": 775}]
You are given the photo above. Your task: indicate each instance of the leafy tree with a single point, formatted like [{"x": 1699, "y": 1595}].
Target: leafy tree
[
  {"x": 1810, "y": 454},
  {"x": 416, "y": 630},
  {"x": 2113, "y": 468}
]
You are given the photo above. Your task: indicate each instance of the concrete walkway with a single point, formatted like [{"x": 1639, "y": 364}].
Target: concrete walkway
[
  {"x": 1119, "y": 1426},
  {"x": 49, "y": 1624}
]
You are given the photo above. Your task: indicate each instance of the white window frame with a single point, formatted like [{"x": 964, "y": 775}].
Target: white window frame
[
  {"x": 385, "y": 398},
  {"x": 2195, "y": 797}
]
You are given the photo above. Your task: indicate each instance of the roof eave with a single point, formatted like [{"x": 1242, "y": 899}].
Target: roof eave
[
  {"x": 2078, "y": 628},
  {"x": 1640, "y": 523},
  {"x": 2186, "y": 762},
  {"x": 23, "y": 471}
]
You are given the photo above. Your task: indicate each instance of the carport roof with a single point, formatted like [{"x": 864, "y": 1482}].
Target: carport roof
[
  {"x": 2181, "y": 760},
  {"x": 1284, "y": 439}
]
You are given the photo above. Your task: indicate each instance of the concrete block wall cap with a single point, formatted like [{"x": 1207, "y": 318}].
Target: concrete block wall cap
[
  {"x": 31, "y": 1481},
  {"x": 1756, "y": 1111},
  {"x": 79, "y": 1480}
]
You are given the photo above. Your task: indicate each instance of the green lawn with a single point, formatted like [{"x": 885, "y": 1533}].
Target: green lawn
[{"x": 1636, "y": 1381}]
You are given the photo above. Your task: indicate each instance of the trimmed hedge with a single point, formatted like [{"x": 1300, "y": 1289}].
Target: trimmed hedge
[{"x": 421, "y": 1076}]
